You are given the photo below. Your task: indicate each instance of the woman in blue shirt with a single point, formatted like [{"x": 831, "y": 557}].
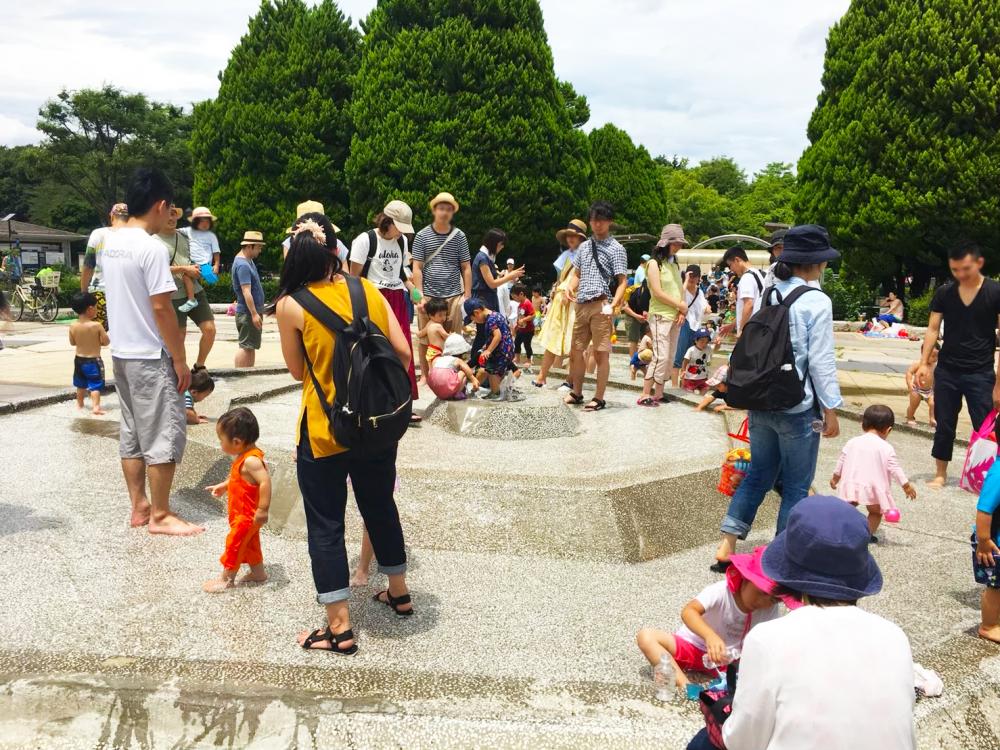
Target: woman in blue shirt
[{"x": 783, "y": 444}]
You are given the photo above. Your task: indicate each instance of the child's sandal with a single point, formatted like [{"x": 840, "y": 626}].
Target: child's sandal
[{"x": 394, "y": 602}]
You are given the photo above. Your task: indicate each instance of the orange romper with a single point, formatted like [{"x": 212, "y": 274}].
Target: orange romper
[{"x": 243, "y": 542}]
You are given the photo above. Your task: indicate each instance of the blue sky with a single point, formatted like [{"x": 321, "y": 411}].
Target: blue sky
[{"x": 696, "y": 78}]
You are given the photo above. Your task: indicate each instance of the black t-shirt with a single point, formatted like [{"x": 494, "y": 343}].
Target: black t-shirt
[{"x": 970, "y": 331}]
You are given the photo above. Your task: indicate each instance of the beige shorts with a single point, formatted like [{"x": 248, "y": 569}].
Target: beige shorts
[
  {"x": 591, "y": 325},
  {"x": 456, "y": 317},
  {"x": 153, "y": 421}
]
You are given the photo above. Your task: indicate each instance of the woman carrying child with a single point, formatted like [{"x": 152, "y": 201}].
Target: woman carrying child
[
  {"x": 867, "y": 466},
  {"x": 666, "y": 308}
]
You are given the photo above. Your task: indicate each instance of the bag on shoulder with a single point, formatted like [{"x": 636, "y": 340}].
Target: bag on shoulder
[
  {"x": 762, "y": 374},
  {"x": 638, "y": 300},
  {"x": 373, "y": 249},
  {"x": 372, "y": 403}
]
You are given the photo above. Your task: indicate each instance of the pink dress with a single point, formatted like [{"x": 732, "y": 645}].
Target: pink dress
[{"x": 866, "y": 468}]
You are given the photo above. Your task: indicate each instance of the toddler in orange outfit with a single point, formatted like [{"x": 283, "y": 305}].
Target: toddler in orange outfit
[{"x": 249, "y": 493}]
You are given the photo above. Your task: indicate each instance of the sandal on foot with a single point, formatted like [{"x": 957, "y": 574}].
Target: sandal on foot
[
  {"x": 596, "y": 404},
  {"x": 318, "y": 636},
  {"x": 720, "y": 566},
  {"x": 646, "y": 401},
  {"x": 537, "y": 384},
  {"x": 573, "y": 399},
  {"x": 394, "y": 602}
]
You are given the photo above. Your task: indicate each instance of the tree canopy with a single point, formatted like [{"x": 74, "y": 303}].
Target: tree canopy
[
  {"x": 461, "y": 96},
  {"x": 626, "y": 176},
  {"x": 905, "y": 148},
  {"x": 278, "y": 133}
]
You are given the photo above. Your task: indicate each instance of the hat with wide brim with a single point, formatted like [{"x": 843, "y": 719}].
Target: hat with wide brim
[
  {"x": 456, "y": 345},
  {"x": 201, "y": 212},
  {"x": 807, "y": 244},
  {"x": 444, "y": 198},
  {"x": 671, "y": 233},
  {"x": 310, "y": 207},
  {"x": 749, "y": 567},
  {"x": 823, "y": 552},
  {"x": 575, "y": 227},
  {"x": 252, "y": 238},
  {"x": 401, "y": 215},
  {"x": 176, "y": 212}
]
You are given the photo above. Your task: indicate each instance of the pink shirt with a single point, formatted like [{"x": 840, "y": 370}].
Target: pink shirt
[{"x": 866, "y": 468}]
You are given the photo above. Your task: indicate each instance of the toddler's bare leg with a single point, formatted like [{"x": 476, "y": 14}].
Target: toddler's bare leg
[
  {"x": 874, "y": 518},
  {"x": 990, "y": 607},
  {"x": 911, "y": 411},
  {"x": 360, "y": 577},
  {"x": 226, "y": 580},
  {"x": 95, "y": 403},
  {"x": 930, "y": 406},
  {"x": 80, "y": 395},
  {"x": 188, "y": 286}
]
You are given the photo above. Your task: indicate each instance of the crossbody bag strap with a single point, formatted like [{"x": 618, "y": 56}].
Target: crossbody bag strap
[{"x": 440, "y": 247}]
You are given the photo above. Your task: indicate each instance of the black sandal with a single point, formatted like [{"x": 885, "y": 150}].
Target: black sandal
[
  {"x": 573, "y": 399},
  {"x": 326, "y": 635},
  {"x": 596, "y": 404},
  {"x": 395, "y": 602},
  {"x": 720, "y": 566}
]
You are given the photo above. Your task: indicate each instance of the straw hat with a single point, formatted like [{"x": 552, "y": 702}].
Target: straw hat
[
  {"x": 252, "y": 238},
  {"x": 310, "y": 207},
  {"x": 444, "y": 198},
  {"x": 176, "y": 212},
  {"x": 201, "y": 212},
  {"x": 575, "y": 226}
]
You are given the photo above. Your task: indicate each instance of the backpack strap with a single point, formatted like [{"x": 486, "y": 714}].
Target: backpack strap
[
  {"x": 372, "y": 249},
  {"x": 359, "y": 302},
  {"x": 401, "y": 241},
  {"x": 772, "y": 292},
  {"x": 756, "y": 277},
  {"x": 329, "y": 319}
]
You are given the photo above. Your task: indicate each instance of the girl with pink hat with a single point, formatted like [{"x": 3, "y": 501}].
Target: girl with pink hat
[{"x": 717, "y": 620}]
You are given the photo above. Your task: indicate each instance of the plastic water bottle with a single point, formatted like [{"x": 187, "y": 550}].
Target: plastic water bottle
[
  {"x": 732, "y": 654},
  {"x": 663, "y": 679}
]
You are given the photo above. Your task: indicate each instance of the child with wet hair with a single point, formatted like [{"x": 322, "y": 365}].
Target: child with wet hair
[
  {"x": 867, "y": 466},
  {"x": 248, "y": 490},
  {"x": 717, "y": 620}
]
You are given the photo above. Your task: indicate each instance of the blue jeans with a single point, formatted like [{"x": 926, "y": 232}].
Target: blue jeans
[
  {"x": 685, "y": 339},
  {"x": 781, "y": 444}
]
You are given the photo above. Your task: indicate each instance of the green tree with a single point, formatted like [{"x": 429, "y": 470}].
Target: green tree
[
  {"x": 461, "y": 95},
  {"x": 278, "y": 132},
  {"x": 95, "y": 138},
  {"x": 769, "y": 197},
  {"x": 576, "y": 104},
  {"x": 627, "y": 176},
  {"x": 722, "y": 174},
  {"x": 16, "y": 181},
  {"x": 701, "y": 210},
  {"x": 905, "y": 144}
]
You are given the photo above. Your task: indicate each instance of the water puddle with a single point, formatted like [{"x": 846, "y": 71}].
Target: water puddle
[{"x": 98, "y": 427}]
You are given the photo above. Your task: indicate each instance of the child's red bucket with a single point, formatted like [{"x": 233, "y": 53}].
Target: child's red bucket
[
  {"x": 730, "y": 479},
  {"x": 742, "y": 434}
]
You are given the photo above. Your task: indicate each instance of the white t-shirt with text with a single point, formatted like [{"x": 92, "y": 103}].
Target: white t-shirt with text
[
  {"x": 135, "y": 267},
  {"x": 384, "y": 270},
  {"x": 750, "y": 287},
  {"x": 724, "y": 617}
]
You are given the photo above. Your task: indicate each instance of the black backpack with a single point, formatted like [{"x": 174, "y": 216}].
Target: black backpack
[
  {"x": 373, "y": 248},
  {"x": 762, "y": 374},
  {"x": 638, "y": 300},
  {"x": 373, "y": 402}
]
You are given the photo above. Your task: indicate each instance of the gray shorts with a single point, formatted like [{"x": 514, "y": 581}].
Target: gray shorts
[{"x": 153, "y": 423}]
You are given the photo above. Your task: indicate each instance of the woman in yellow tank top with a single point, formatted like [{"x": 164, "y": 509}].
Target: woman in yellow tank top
[{"x": 322, "y": 465}]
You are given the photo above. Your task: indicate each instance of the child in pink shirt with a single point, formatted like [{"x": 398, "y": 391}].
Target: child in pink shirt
[{"x": 867, "y": 466}]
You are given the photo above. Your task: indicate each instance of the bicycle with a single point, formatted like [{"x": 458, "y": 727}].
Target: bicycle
[{"x": 37, "y": 294}]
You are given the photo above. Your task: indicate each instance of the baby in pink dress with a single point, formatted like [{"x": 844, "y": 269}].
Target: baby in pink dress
[{"x": 867, "y": 466}]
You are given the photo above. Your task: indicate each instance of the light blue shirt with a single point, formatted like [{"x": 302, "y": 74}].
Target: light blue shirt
[{"x": 811, "y": 324}]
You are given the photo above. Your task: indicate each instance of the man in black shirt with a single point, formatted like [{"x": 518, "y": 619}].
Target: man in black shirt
[{"x": 969, "y": 306}]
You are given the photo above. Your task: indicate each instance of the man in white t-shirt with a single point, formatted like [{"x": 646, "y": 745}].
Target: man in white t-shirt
[
  {"x": 749, "y": 288},
  {"x": 147, "y": 352}
]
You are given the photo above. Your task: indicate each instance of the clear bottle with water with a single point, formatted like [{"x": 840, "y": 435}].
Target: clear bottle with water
[
  {"x": 732, "y": 654},
  {"x": 663, "y": 679}
]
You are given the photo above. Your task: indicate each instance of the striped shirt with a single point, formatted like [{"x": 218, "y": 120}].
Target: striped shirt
[
  {"x": 597, "y": 282},
  {"x": 188, "y": 400},
  {"x": 443, "y": 275}
]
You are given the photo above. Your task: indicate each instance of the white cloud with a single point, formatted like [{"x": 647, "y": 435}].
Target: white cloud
[{"x": 695, "y": 78}]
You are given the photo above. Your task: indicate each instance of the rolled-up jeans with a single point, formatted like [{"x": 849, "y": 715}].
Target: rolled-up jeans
[{"x": 781, "y": 444}]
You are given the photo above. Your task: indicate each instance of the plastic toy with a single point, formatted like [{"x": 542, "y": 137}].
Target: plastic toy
[{"x": 891, "y": 515}]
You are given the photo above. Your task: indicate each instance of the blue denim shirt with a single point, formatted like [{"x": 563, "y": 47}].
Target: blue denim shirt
[{"x": 811, "y": 323}]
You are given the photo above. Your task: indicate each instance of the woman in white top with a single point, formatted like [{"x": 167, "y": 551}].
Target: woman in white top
[{"x": 826, "y": 676}]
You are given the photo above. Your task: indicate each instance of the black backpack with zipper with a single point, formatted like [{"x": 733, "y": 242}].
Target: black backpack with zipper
[
  {"x": 372, "y": 403},
  {"x": 762, "y": 374}
]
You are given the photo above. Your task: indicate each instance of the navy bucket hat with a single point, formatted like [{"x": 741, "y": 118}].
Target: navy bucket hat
[
  {"x": 470, "y": 306},
  {"x": 807, "y": 244},
  {"x": 823, "y": 552}
]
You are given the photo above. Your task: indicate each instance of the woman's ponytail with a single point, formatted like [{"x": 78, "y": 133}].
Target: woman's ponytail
[{"x": 782, "y": 271}]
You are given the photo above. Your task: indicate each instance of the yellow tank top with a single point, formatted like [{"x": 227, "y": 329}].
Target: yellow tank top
[{"x": 319, "y": 342}]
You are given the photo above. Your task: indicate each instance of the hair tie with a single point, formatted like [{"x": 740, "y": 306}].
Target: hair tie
[{"x": 310, "y": 226}]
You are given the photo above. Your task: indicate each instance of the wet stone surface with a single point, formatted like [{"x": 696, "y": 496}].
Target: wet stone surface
[{"x": 533, "y": 562}]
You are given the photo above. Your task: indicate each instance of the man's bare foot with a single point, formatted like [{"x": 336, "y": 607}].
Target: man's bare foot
[
  {"x": 990, "y": 634},
  {"x": 140, "y": 516},
  {"x": 937, "y": 483},
  {"x": 218, "y": 585},
  {"x": 359, "y": 579},
  {"x": 174, "y": 526},
  {"x": 257, "y": 574}
]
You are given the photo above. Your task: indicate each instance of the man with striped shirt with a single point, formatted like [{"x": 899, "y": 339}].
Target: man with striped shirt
[{"x": 442, "y": 268}]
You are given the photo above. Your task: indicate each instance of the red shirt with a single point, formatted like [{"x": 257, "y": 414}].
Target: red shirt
[{"x": 526, "y": 309}]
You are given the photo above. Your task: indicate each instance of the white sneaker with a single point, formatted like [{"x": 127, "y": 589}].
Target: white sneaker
[
  {"x": 188, "y": 306},
  {"x": 564, "y": 388}
]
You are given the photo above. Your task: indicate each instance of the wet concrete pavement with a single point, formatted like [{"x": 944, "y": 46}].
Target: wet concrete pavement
[{"x": 536, "y": 553}]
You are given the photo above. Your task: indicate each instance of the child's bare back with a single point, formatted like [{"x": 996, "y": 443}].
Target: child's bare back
[
  {"x": 436, "y": 335},
  {"x": 88, "y": 336}
]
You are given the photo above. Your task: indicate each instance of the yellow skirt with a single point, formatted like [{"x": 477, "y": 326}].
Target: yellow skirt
[{"x": 557, "y": 331}]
